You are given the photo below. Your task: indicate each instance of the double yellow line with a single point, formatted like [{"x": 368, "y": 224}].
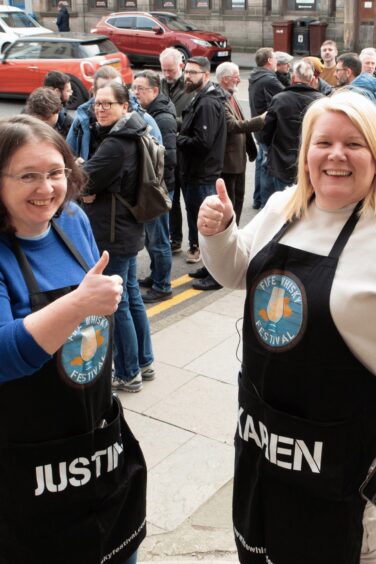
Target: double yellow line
[{"x": 175, "y": 300}]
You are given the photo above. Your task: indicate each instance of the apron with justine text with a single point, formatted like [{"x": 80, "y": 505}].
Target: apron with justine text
[{"x": 72, "y": 475}]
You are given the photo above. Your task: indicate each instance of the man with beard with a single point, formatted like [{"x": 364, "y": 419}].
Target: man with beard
[
  {"x": 201, "y": 142},
  {"x": 239, "y": 140},
  {"x": 172, "y": 85},
  {"x": 347, "y": 69},
  {"x": 329, "y": 53}
]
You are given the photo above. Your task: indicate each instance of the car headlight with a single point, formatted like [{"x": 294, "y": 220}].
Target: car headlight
[{"x": 201, "y": 42}]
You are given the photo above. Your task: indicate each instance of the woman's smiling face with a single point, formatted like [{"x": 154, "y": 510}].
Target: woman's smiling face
[
  {"x": 339, "y": 162},
  {"x": 31, "y": 206}
]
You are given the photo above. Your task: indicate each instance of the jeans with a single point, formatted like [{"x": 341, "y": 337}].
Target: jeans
[
  {"x": 133, "y": 349},
  {"x": 280, "y": 184},
  {"x": 157, "y": 243},
  {"x": 266, "y": 181},
  {"x": 194, "y": 195}
]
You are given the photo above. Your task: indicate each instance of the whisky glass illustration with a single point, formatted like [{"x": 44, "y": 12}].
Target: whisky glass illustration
[
  {"x": 275, "y": 308},
  {"x": 88, "y": 346}
]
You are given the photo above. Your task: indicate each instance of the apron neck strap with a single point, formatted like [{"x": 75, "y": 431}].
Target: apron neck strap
[
  {"x": 346, "y": 232},
  {"x": 342, "y": 238},
  {"x": 31, "y": 282}
]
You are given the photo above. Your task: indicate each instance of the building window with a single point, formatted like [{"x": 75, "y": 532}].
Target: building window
[
  {"x": 302, "y": 5},
  {"x": 235, "y": 5},
  {"x": 164, "y": 4},
  {"x": 200, "y": 5},
  {"x": 128, "y": 5}
]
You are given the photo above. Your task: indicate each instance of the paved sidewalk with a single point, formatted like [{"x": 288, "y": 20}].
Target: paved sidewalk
[
  {"x": 244, "y": 60},
  {"x": 185, "y": 421}
]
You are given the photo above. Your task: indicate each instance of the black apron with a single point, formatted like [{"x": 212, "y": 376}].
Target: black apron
[
  {"x": 306, "y": 431},
  {"x": 72, "y": 475}
]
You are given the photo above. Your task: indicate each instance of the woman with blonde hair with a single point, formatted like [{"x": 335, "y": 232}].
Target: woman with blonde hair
[{"x": 306, "y": 435}]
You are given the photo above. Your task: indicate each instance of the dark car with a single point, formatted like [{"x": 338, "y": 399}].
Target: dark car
[
  {"x": 25, "y": 63},
  {"x": 142, "y": 36}
]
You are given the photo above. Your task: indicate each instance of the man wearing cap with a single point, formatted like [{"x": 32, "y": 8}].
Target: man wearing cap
[
  {"x": 283, "y": 67},
  {"x": 317, "y": 82},
  {"x": 282, "y": 127}
]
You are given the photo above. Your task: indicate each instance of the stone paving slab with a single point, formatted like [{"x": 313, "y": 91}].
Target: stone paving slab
[
  {"x": 186, "y": 479},
  {"x": 203, "y": 406}
]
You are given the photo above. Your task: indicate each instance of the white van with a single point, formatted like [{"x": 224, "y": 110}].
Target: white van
[{"x": 15, "y": 23}]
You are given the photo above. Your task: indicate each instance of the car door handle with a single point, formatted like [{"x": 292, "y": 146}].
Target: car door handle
[{"x": 33, "y": 67}]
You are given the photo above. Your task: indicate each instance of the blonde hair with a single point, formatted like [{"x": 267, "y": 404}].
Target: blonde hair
[{"x": 362, "y": 114}]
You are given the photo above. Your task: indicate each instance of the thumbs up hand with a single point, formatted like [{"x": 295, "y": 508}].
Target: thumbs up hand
[
  {"x": 215, "y": 212},
  {"x": 100, "y": 294}
]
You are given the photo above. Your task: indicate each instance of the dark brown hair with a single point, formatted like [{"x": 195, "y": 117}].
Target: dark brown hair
[
  {"x": 43, "y": 103},
  {"x": 15, "y": 132}
]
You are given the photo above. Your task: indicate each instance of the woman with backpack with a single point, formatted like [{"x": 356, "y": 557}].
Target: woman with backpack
[{"x": 114, "y": 169}]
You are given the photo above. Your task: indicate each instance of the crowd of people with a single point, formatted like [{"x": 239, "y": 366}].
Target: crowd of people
[{"x": 73, "y": 323}]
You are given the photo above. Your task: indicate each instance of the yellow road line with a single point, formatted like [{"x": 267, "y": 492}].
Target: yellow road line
[
  {"x": 173, "y": 301},
  {"x": 180, "y": 281}
]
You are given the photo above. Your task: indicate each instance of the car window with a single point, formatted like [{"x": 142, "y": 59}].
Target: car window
[
  {"x": 24, "y": 50},
  {"x": 18, "y": 19},
  {"x": 105, "y": 47},
  {"x": 123, "y": 22},
  {"x": 61, "y": 50},
  {"x": 145, "y": 24},
  {"x": 2, "y": 29},
  {"x": 177, "y": 24}
]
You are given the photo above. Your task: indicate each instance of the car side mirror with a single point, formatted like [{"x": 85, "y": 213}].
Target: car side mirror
[{"x": 158, "y": 30}]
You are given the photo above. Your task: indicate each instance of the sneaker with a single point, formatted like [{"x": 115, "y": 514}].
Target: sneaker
[
  {"x": 148, "y": 372},
  {"x": 193, "y": 255},
  {"x": 133, "y": 385},
  {"x": 153, "y": 295},
  {"x": 146, "y": 282},
  {"x": 176, "y": 247}
]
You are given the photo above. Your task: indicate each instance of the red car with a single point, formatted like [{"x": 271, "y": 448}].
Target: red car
[
  {"x": 143, "y": 35},
  {"x": 25, "y": 63}
]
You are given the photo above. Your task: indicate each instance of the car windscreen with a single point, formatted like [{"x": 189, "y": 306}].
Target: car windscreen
[
  {"x": 105, "y": 47},
  {"x": 178, "y": 24},
  {"x": 18, "y": 19}
]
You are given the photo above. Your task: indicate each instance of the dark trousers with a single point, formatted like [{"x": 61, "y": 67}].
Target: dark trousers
[
  {"x": 235, "y": 184},
  {"x": 194, "y": 195},
  {"x": 176, "y": 218}
]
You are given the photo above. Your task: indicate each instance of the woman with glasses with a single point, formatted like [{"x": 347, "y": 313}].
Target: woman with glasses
[
  {"x": 113, "y": 177},
  {"x": 305, "y": 462},
  {"x": 72, "y": 476}
]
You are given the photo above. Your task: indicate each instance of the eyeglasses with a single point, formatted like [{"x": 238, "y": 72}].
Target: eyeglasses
[
  {"x": 104, "y": 105},
  {"x": 193, "y": 73},
  {"x": 141, "y": 88},
  {"x": 233, "y": 76},
  {"x": 31, "y": 178},
  {"x": 339, "y": 70}
]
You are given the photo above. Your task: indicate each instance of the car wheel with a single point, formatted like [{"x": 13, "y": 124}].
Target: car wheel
[
  {"x": 184, "y": 52},
  {"x": 79, "y": 94},
  {"x": 5, "y": 46}
]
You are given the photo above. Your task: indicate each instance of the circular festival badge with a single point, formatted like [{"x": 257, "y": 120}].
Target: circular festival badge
[
  {"x": 84, "y": 353},
  {"x": 279, "y": 310}
]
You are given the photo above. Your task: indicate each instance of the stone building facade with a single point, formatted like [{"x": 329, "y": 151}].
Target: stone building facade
[{"x": 247, "y": 23}]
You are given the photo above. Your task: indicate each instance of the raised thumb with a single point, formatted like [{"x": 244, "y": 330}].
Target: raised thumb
[
  {"x": 99, "y": 267},
  {"x": 221, "y": 191}
]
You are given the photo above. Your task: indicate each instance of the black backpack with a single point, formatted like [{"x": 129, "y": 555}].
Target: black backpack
[{"x": 152, "y": 195}]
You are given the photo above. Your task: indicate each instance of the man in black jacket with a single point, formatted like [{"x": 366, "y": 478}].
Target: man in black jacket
[
  {"x": 283, "y": 122},
  {"x": 146, "y": 86},
  {"x": 263, "y": 85},
  {"x": 201, "y": 142},
  {"x": 172, "y": 85}
]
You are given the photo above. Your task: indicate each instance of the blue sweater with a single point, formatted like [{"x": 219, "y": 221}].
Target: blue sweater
[{"x": 54, "y": 267}]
